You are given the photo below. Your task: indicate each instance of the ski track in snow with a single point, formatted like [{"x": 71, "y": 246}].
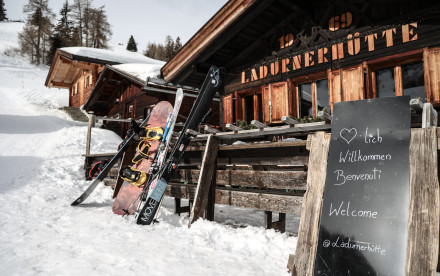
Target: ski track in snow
[{"x": 41, "y": 174}]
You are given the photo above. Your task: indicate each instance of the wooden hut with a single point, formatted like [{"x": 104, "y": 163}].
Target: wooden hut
[
  {"x": 78, "y": 69},
  {"x": 293, "y": 58},
  {"x": 126, "y": 91}
]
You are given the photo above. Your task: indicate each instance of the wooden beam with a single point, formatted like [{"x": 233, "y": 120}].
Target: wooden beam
[
  {"x": 311, "y": 207},
  {"x": 60, "y": 84},
  {"x": 290, "y": 204},
  {"x": 429, "y": 116},
  {"x": 423, "y": 222},
  {"x": 205, "y": 177},
  {"x": 92, "y": 119},
  {"x": 292, "y": 180},
  {"x": 254, "y": 133}
]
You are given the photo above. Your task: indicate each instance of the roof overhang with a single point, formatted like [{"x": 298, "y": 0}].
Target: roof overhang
[
  {"x": 205, "y": 37},
  {"x": 66, "y": 69}
]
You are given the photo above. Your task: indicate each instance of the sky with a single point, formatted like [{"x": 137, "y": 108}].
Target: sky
[{"x": 146, "y": 20}]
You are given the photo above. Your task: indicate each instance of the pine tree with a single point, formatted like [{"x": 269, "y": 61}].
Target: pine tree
[
  {"x": 63, "y": 33},
  {"x": 100, "y": 29},
  {"x": 34, "y": 40},
  {"x": 177, "y": 46},
  {"x": 2, "y": 11},
  {"x": 169, "y": 47},
  {"x": 132, "y": 45}
]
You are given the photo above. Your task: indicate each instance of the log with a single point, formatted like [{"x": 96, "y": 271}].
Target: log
[
  {"x": 311, "y": 207},
  {"x": 292, "y": 180},
  {"x": 204, "y": 181},
  {"x": 423, "y": 222},
  {"x": 290, "y": 204}
]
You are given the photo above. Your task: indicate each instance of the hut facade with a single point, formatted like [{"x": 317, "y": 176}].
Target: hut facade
[{"x": 293, "y": 58}]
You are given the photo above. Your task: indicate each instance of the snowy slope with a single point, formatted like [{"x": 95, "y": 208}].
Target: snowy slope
[{"x": 41, "y": 174}]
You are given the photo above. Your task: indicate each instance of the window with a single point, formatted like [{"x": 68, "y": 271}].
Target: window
[
  {"x": 247, "y": 106},
  {"x": 402, "y": 77},
  {"x": 413, "y": 81},
  {"x": 312, "y": 97},
  {"x": 322, "y": 101},
  {"x": 385, "y": 83},
  {"x": 306, "y": 99}
]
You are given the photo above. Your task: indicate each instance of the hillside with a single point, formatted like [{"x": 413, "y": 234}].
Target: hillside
[{"x": 41, "y": 234}]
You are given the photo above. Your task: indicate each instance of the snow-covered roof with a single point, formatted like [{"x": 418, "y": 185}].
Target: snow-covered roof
[
  {"x": 141, "y": 70},
  {"x": 116, "y": 55}
]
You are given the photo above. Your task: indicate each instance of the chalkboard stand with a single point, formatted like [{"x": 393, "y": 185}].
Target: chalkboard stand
[{"x": 423, "y": 222}]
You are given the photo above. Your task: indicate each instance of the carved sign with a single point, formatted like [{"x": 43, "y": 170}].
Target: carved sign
[{"x": 352, "y": 46}]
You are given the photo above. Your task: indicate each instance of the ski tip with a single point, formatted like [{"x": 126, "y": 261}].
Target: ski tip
[{"x": 76, "y": 202}]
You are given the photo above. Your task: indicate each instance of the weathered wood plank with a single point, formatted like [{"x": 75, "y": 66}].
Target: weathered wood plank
[
  {"x": 89, "y": 133},
  {"x": 311, "y": 207},
  {"x": 269, "y": 202},
  {"x": 204, "y": 182},
  {"x": 429, "y": 116},
  {"x": 423, "y": 222},
  {"x": 293, "y": 180},
  {"x": 253, "y": 133},
  {"x": 286, "y": 144},
  {"x": 290, "y": 204}
]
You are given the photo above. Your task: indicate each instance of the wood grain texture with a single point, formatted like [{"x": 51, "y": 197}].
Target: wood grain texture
[
  {"x": 205, "y": 178},
  {"x": 423, "y": 221},
  {"x": 311, "y": 206}
]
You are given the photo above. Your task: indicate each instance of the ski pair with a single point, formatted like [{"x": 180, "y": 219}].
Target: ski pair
[{"x": 198, "y": 115}]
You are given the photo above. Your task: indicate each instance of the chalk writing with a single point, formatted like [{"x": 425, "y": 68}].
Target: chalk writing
[
  {"x": 346, "y": 211},
  {"x": 343, "y": 178},
  {"x": 352, "y": 156},
  {"x": 348, "y": 134},
  {"x": 356, "y": 245},
  {"x": 370, "y": 138}
]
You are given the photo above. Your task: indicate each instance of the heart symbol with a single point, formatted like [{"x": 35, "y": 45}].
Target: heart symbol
[{"x": 348, "y": 134}]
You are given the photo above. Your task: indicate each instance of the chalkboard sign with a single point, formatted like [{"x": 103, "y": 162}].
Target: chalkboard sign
[{"x": 363, "y": 227}]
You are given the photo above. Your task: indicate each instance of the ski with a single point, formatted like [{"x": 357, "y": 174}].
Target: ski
[
  {"x": 198, "y": 115},
  {"x": 124, "y": 205},
  {"x": 134, "y": 129}
]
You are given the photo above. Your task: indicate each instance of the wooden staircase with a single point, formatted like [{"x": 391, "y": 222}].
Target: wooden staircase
[{"x": 75, "y": 113}]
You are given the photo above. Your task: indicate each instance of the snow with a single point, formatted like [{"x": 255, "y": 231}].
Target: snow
[
  {"x": 41, "y": 174},
  {"x": 140, "y": 70},
  {"x": 115, "y": 55}
]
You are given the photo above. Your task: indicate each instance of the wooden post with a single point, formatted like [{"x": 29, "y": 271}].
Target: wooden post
[
  {"x": 423, "y": 221},
  {"x": 324, "y": 116},
  {"x": 311, "y": 206},
  {"x": 289, "y": 121},
  {"x": 429, "y": 116},
  {"x": 211, "y": 130},
  {"x": 232, "y": 127},
  {"x": 258, "y": 124},
  {"x": 92, "y": 119},
  {"x": 205, "y": 178},
  {"x": 210, "y": 208}
]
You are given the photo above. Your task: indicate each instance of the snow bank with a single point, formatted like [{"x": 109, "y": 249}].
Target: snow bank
[
  {"x": 140, "y": 70},
  {"x": 42, "y": 172},
  {"x": 116, "y": 55}
]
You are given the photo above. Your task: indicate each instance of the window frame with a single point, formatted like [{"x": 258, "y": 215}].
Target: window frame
[{"x": 313, "y": 78}]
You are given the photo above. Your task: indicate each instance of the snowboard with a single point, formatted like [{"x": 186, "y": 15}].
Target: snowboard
[
  {"x": 197, "y": 115},
  {"x": 129, "y": 193}
]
